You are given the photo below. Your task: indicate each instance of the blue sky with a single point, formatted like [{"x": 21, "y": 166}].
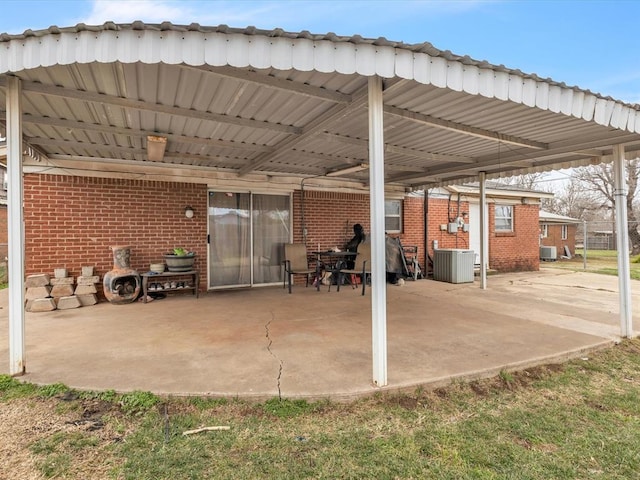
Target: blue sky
[{"x": 594, "y": 45}]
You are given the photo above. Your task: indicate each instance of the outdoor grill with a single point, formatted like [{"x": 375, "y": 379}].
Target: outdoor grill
[{"x": 122, "y": 284}]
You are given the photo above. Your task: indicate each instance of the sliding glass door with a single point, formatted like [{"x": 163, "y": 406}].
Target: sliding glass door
[{"x": 246, "y": 237}]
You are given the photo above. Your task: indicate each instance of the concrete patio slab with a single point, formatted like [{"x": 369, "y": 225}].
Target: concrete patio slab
[{"x": 263, "y": 342}]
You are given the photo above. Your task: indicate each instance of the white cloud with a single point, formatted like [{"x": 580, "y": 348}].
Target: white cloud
[
  {"x": 232, "y": 13},
  {"x": 122, "y": 11},
  {"x": 344, "y": 18}
]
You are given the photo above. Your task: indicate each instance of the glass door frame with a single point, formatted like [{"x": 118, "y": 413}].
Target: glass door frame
[{"x": 251, "y": 194}]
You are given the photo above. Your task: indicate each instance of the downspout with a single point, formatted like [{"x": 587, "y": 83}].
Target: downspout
[{"x": 425, "y": 225}]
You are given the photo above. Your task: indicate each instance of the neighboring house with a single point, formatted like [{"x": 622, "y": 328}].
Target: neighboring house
[
  {"x": 558, "y": 231},
  {"x": 512, "y": 216}
]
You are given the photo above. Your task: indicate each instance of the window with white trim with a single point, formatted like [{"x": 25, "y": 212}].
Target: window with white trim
[
  {"x": 393, "y": 216},
  {"x": 504, "y": 218},
  {"x": 564, "y": 232},
  {"x": 544, "y": 232}
]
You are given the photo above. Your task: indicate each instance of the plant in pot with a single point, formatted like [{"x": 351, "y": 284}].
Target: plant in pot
[{"x": 180, "y": 260}]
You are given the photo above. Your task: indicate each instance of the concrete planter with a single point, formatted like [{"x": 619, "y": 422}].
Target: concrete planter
[{"x": 179, "y": 263}]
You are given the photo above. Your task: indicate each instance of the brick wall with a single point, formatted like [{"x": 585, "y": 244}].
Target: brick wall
[
  {"x": 330, "y": 216},
  {"x": 518, "y": 250},
  {"x": 73, "y": 221},
  {"x": 441, "y": 211}
]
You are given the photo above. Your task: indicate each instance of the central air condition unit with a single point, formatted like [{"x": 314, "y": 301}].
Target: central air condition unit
[
  {"x": 548, "y": 254},
  {"x": 453, "y": 265}
]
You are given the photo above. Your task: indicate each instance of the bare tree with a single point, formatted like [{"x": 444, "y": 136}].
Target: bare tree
[
  {"x": 598, "y": 180},
  {"x": 574, "y": 200}
]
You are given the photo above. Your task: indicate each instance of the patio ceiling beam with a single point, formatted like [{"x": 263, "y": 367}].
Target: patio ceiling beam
[
  {"x": 558, "y": 150},
  {"x": 409, "y": 152},
  {"x": 142, "y": 134},
  {"x": 573, "y": 145},
  {"x": 95, "y": 147},
  {"x": 339, "y": 162},
  {"x": 312, "y": 128},
  {"x": 462, "y": 128},
  {"x": 27, "y": 148},
  {"x": 79, "y": 164},
  {"x": 330, "y": 158},
  {"x": 265, "y": 80},
  {"x": 85, "y": 96}
]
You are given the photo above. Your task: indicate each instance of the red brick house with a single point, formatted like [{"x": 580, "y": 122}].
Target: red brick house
[
  {"x": 558, "y": 231},
  {"x": 71, "y": 221},
  {"x": 512, "y": 223}
]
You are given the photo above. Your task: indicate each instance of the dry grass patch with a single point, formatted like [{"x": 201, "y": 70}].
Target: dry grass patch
[{"x": 568, "y": 421}]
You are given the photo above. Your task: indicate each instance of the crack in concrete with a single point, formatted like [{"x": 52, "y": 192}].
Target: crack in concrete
[{"x": 266, "y": 327}]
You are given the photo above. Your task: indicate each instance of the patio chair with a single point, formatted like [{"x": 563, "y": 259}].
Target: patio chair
[
  {"x": 296, "y": 262},
  {"x": 362, "y": 266}
]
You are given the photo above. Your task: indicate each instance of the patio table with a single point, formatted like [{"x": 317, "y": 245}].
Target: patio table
[{"x": 332, "y": 261}]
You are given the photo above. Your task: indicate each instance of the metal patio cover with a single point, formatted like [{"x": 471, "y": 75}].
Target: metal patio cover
[{"x": 268, "y": 103}]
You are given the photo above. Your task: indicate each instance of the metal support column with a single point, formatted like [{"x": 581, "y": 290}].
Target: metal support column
[
  {"x": 483, "y": 232},
  {"x": 378, "y": 270},
  {"x": 620, "y": 196},
  {"x": 17, "y": 357}
]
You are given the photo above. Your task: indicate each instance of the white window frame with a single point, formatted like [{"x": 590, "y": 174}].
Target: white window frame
[
  {"x": 508, "y": 219},
  {"x": 390, "y": 216},
  {"x": 545, "y": 231},
  {"x": 564, "y": 232}
]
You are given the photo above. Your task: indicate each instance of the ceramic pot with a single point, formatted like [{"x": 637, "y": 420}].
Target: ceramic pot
[{"x": 179, "y": 263}]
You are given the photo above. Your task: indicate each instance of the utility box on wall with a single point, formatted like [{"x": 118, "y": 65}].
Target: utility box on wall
[{"x": 453, "y": 265}]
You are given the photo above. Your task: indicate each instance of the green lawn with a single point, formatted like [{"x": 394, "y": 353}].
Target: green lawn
[
  {"x": 598, "y": 261},
  {"x": 577, "y": 420}
]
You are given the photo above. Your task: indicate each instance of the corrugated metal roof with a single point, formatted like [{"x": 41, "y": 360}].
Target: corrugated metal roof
[
  {"x": 271, "y": 102},
  {"x": 424, "y": 47}
]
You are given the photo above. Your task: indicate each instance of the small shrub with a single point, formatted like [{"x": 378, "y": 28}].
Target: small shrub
[
  {"x": 105, "y": 396},
  {"x": 7, "y": 382},
  {"x": 506, "y": 377},
  {"x": 204, "y": 403},
  {"x": 52, "y": 390},
  {"x": 284, "y": 408},
  {"x": 137, "y": 402}
]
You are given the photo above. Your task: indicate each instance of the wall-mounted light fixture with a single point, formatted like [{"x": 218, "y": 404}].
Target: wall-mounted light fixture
[
  {"x": 155, "y": 148},
  {"x": 188, "y": 212},
  {"x": 345, "y": 171}
]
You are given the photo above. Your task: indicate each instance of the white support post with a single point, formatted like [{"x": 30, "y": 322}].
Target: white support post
[
  {"x": 483, "y": 232},
  {"x": 584, "y": 245},
  {"x": 378, "y": 270},
  {"x": 17, "y": 357},
  {"x": 624, "y": 275}
]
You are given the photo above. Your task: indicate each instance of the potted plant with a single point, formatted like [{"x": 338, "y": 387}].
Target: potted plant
[{"x": 180, "y": 260}]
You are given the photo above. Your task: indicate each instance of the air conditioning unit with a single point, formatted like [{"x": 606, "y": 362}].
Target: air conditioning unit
[
  {"x": 453, "y": 265},
  {"x": 548, "y": 254}
]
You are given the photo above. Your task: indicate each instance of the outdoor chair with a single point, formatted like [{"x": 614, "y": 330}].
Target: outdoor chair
[
  {"x": 362, "y": 266},
  {"x": 296, "y": 262}
]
